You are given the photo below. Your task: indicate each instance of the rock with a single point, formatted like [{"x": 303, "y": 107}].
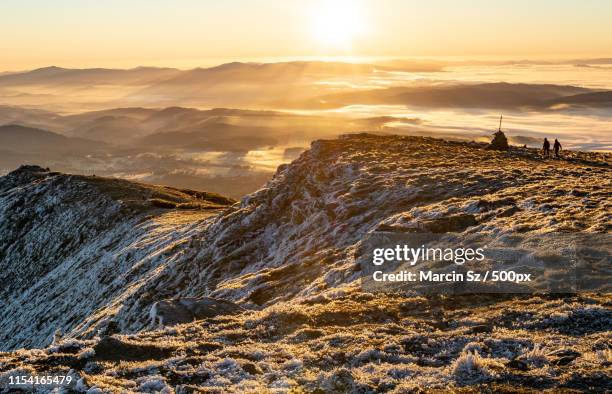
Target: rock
[
  {"x": 564, "y": 352},
  {"x": 439, "y": 324},
  {"x": 508, "y": 212},
  {"x": 563, "y": 360},
  {"x": 111, "y": 328},
  {"x": 251, "y": 368},
  {"x": 393, "y": 228},
  {"x": 449, "y": 224},
  {"x": 169, "y": 313},
  {"x": 481, "y": 328},
  {"x": 518, "y": 364},
  {"x": 579, "y": 193},
  {"x": 113, "y": 349},
  {"x": 487, "y": 205},
  {"x": 340, "y": 381},
  {"x": 563, "y": 356},
  {"x": 210, "y": 307},
  {"x": 185, "y": 310},
  {"x": 57, "y": 336}
]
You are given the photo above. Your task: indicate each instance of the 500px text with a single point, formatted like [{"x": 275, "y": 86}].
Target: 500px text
[{"x": 469, "y": 276}]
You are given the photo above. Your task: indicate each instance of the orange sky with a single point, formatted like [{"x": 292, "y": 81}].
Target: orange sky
[{"x": 189, "y": 33}]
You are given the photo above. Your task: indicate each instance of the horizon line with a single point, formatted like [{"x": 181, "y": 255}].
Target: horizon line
[{"x": 330, "y": 59}]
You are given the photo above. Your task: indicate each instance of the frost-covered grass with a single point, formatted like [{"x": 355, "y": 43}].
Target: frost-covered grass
[
  {"x": 287, "y": 254},
  {"x": 77, "y": 251},
  {"x": 399, "y": 349}
]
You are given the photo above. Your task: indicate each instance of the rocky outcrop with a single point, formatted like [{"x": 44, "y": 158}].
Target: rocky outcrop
[{"x": 185, "y": 310}]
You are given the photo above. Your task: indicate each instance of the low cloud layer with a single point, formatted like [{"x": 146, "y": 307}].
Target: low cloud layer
[{"x": 157, "y": 125}]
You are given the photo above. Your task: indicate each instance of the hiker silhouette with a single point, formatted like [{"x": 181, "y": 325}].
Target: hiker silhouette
[
  {"x": 557, "y": 148},
  {"x": 546, "y": 147}
]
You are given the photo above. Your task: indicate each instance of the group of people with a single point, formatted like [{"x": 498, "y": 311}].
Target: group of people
[{"x": 546, "y": 148}]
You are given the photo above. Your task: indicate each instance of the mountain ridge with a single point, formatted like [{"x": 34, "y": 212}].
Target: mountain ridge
[
  {"x": 86, "y": 258},
  {"x": 16, "y": 137},
  {"x": 72, "y": 235},
  {"x": 476, "y": 95},
  {"x": 314, "y": 210}
]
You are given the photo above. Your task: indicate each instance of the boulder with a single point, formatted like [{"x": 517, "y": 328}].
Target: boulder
[
  {"x": 449, "y": 224},
  {"x": 111, "y": 328},
  {"x": 185, "y": 310},
  {"x": 481, "y": 328},
  {"x": 563, "y": 356},
  {"x": 518, "y": 364},
  {"x": 115, "y": 349}
]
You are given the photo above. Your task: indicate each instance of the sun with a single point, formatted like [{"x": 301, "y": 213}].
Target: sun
[{"x": 336, "y": 23}]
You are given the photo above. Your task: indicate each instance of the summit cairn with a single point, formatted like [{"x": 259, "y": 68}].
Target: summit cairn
[{"x": 499, "y": 141}]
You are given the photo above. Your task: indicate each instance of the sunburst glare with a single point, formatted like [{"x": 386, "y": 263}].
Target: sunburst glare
[{"x": 335, "y": 24}]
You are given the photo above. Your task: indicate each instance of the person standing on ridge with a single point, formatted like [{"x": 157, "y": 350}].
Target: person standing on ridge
[
  {"x": 557, "y": 148},
  {"x": 546, "y": 147}
]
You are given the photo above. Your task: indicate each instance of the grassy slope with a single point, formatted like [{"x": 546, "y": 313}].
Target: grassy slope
[{"x": 325, "y": 334}]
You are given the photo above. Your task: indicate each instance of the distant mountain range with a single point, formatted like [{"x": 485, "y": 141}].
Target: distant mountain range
[
  {"x": 232, "y": 84},
  {"x": 253, "y": 71},
  {"x": 20, "y": 144},
  {"x": 236, "y": 72},
  {"x": 499, "y": 95},
  {"x": 27, "y": 139},
  {"x": 51, "y": 76},
  {"x": 297, "y": 85},
  {"x": 595, "y": 99}
]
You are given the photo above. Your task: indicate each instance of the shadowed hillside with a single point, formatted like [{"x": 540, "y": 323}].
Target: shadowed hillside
[{"x": 71, "y": 244}]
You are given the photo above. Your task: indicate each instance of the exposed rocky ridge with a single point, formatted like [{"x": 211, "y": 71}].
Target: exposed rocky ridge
[{"x": 291, "y": 244}]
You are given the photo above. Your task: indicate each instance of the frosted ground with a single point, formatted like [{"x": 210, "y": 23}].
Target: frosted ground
[{"x": 286, "y": 254}]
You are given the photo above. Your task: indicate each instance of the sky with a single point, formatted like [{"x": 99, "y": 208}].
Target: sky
[{"x": 190, "y": 33}]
